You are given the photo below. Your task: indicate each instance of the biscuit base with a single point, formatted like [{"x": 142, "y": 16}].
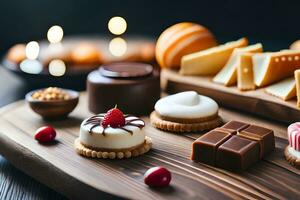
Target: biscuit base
[
  {"x": 91, "y": 153},
  {"x": 177, "y": 127},
  {"x": 293, "y": 160}
]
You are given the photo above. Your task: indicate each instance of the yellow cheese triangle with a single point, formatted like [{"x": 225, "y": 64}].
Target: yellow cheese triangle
[
  {"x": 269, "y": 68},
  {"x": 297, "y": 79},
  {"x": 209, "y": 61},
  {"x": 245, "y": 80},
  {"x": 228, "y": 74},
  {"x": 285, "y": 89}
]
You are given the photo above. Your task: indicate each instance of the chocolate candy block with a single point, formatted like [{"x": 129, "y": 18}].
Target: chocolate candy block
[
  {"x": 204, "y": 148},
  {"x": 235, "y": 125},
  {"x": 237, "y": 153},
  {"x": 264, "y": 136},
  {"x": 230, "y": 131}
]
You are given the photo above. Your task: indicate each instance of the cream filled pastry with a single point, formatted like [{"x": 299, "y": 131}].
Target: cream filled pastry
[
  {"x": 186, "y": 105},
  {"x": 94, "y": 135},
  {"x": 185, "y": 112},
  {"x": 292, "y": 151},
  {"x": 113, "y": 133}
]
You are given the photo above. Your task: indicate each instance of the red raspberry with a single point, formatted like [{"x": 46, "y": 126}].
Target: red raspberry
[
  {"x": 113, "y": 118},
  {"x": 157, "y": 177},
  {"x": 45, "y": 134}
]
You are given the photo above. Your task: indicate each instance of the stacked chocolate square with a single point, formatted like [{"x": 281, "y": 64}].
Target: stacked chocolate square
[{"x": 234, "y": 146}]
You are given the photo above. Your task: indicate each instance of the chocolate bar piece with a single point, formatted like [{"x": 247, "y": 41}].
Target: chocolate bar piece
[
  {"x": 264, "y": 136},
  {"x": 237, "y": 153},
  {"x": 235, "y": 125},
  {"x": 230, "y": 131},
  {"x": 204, "y": 148}
]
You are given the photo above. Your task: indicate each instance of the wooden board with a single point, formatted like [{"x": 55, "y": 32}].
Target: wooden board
[
  {"x": 255, "y": 101},
  {"x": 59, "y": 167}
]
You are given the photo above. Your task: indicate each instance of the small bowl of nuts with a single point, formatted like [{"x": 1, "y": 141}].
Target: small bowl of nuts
[{"x": 52, "y": 102}]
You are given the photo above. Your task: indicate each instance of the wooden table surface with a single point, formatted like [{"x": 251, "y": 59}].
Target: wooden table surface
[
  {"x": 14, "y": 184},
  {"x": 59, "y": 167}
]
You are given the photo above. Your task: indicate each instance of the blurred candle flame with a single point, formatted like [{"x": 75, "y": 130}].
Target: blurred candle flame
[
  {"x": 55, "y": 34},
  {"x": 118, "y": 46},
  {"x": 32, "y": 50},
  {"x": 117, "y": 25},
  {"x": 57, "y": 67}
]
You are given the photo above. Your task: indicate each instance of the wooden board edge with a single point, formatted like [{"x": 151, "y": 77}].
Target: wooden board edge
[
  {"x": 248, "y": 104},
  {"x": 30, "y": 163}
]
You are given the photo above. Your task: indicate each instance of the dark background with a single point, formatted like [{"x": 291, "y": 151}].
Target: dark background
[{"x": 274, "y": 23}]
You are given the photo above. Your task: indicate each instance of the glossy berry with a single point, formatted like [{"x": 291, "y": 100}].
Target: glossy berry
[
  {"x": 45, "y": 134},
  {"x": 113, "y": 118},
  {"x": 157, "y": 177}
]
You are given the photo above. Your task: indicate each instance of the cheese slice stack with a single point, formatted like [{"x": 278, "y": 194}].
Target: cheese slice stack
[
  {"x": 209, "y": 61},
  {"x": 285, "y": 89},
  {"x": 228, "y": 74},
  {"x": 272, "y": 67},
  {"x": 245, "y": 79}
]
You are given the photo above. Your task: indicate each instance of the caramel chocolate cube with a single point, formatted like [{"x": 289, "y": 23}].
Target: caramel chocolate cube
[
  {"x": 235, "y": 125},
  {"x": 204, "y": 148},
  {"x": 230, "y": 131},
  {"x": 264, "y": 136},
  {"x": 237, "y": 153}
]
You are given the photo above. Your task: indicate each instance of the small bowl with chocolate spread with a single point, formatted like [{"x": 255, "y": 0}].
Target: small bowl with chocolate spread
[{"x": 52, "y": 102}]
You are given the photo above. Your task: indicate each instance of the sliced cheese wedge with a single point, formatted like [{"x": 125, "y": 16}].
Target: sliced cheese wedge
[
  {"x": 297, "y": 79},
  {"x": 245, "y": 79},
  {"x": 272, "y": 67},
  {"x": 209, "y": 61},
  {"x": 228, "y": 75},
  {"x": 285, "y": 89}
]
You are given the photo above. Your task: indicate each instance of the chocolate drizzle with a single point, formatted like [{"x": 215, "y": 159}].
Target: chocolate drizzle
[{"x": 97, "y": 120}]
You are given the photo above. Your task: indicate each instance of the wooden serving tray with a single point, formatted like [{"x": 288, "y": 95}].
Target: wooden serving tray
[
  {"x": 255, "y": 101},
  {"x": 59, "y": 167}
]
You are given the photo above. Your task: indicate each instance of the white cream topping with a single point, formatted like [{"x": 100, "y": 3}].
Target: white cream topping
[
  {"x": 186, "y": 105},
  {"x": 294, "y": 152},
  {"x": 114, "y": 138}
]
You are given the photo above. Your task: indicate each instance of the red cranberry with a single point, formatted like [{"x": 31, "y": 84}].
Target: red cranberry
[
  {"x": 45, "y": 134},
  {"x": 157, "y": 177}
]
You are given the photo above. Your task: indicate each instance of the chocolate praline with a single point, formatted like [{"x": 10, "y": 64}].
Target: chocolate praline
[{"x": 134, "y": 87}]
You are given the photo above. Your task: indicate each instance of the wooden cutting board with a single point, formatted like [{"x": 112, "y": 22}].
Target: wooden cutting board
[
  {"x": 59, "y": 167},
  {"x": 255, "y": 101}
]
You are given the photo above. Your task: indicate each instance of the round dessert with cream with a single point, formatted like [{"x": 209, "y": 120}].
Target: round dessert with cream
[
  {"x": 112, "y": 135},
  {"x": 292, "y": 151},
  {"x": 185, "y": 112}
]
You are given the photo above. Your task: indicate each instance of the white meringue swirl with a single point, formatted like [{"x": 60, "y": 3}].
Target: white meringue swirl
[{"x": 186, "y": 105}]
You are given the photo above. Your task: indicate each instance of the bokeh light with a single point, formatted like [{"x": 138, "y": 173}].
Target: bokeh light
[
  {"x": 117, "y": 25},
  {"x": 31, "y": 66},
  {"x": 55, "y": 34},
  {"x": 32, "y": 50},
  {"x": 57, "y": 67},
  {"x": 118, "y": 46}
]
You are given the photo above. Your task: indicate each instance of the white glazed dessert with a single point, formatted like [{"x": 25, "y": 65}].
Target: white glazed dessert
[
  {"x": 185, "y": 112},
  {"x": 186, "y": 105},
  {"x": 127, "y": 137}
]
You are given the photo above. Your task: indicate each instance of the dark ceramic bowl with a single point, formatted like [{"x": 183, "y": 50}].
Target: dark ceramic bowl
[{"x": 54, "y": 109}]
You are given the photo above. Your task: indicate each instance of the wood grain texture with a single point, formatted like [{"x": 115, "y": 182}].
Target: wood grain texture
[
  {"x": 16, "y": 185},
  {"x": 59, "y": 167},
  {"x": 255, "y": 101}
]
